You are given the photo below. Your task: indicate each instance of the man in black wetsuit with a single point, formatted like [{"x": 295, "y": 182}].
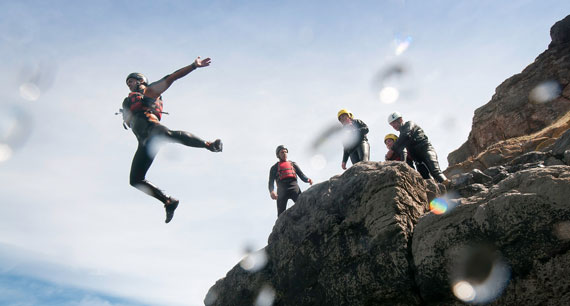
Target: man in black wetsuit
[
  {"x": 356, "y": 144},
  {"x": 285, "y": 172},
  {"x": 142, "y": 111},
  {"x": 404, "y": 155},
  {"x": 413, "y": 138}
]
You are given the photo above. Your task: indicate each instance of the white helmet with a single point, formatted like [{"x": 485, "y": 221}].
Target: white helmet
[{"x": 393, "y": 117}]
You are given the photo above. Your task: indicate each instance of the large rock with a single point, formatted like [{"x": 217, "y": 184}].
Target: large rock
[
  {"x": 345, "y": 242},
  {"x": 525, "y": 218},
  {"x": 515, "y": 109}
]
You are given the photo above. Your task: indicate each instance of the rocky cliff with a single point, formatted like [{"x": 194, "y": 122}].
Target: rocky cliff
[
  {"x": 381, "y": 235},
  {"x": 527, "y": 112}
]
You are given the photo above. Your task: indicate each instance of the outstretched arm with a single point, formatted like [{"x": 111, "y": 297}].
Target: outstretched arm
[{"x": 156, "y": 89}]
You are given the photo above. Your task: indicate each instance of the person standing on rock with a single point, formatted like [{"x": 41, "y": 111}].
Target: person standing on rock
[
  {"x": 413, "y": 138},
  {"x": 403, "y": 155},
  {"x": 142, "y": 111},
  {"x": 356, "y": 143},
  {"x": 285, "y": 172}
]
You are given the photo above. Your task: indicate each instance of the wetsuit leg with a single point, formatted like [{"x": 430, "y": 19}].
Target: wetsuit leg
[
  {"x": 364, "y": 151},
  {"x": 282, "y": 198},
  {"x": 295, "y": 192},
  {"x": 141, "y": 163},
  {"x": 181, "y": 137},
  {"x": 429, "y": 159},
  {"x": 423, "y": 170}
]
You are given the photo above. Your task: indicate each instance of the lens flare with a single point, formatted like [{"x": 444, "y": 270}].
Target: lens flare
[
  {"x": 254, "y": 261},
  {"x": 545, "y": 92},
  {"x": 402, "y": 44},
  {"x": 266, "y": 296},
  {"x": 389, "y": 95},
  {"x": 438, "y": 206},
  {"x": 318, "y": 162}
]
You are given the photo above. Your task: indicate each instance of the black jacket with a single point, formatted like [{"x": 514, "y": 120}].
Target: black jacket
[{"x": 411, "y": 137}]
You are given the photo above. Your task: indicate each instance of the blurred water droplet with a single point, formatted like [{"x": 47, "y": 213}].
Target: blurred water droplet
[
  {"x": 5, "y": 152},
  {"x": 254, "y": 261},
  {"x": 481, "y": 274},
  {"x": 266, "y": 296},
  {"x": 211, "y": 297},
  {"x": 318, "y": 162},
  {"x": 350, "y": 136},
  {"x": 562, "y": 230},
  {"x": 545, "y": 92},
  {"x": 326, "y": 135},
  {"x": 15, "y": 127},
  {"x": 464, "y": 291},
  {"x": 30, "y": 91},
  {"x": 389, "y": 95}
]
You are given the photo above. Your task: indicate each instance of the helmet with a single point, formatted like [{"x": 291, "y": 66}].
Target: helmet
[
  {"x": 279, "y": 148},
  {"x": 344, "y": 111},
  {"x": 393, "y": 117},
  {"x": 138, "y": 76},
  {"x": 391, "y": 136}
]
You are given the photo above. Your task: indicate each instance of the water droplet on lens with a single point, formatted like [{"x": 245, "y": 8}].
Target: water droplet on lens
[
  {"x": 30, "y": 91},
  {"x": 266, "y": 296},
  {"x": 5, "y": 152},
  {"x": 545, "y": 92},
  {"x": 389, "y": 95},
  {"x": 318, "y": 162},
  {"x": 254, "y": 261}
]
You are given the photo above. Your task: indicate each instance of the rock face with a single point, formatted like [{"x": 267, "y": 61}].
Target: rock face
[
  {"x": 526, "y": 103},
  {"x": 499, "y": 236}
]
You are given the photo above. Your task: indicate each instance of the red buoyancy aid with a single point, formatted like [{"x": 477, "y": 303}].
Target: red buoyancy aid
[
  {"x": 140, "y": 103},
  {"x": 285, "y": 170}
]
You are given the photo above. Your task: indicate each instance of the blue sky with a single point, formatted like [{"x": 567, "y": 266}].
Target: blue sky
[{"x": 69, "y": 221}]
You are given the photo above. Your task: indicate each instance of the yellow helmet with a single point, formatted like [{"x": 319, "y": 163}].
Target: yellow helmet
[
  {"x": 344, "y": 111},
  {"x": 391, "y": 136}
]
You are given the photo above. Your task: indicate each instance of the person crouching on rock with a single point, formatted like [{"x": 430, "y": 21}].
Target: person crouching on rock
[
  {"x": 285, "y": 172},
  {"x": 356, "y": 144},
  {"x": 413, "y": 138},
  {"x": 403, "y": 155}
]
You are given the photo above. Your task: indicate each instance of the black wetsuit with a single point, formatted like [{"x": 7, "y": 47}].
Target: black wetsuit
[
  {"x": 413, "y": 138},
  {"x": 287, "y": 188},
  {"x": 403, "y": 155},
  {"x": 357, "y": 148},
  {"x": 147, "y": 129}
]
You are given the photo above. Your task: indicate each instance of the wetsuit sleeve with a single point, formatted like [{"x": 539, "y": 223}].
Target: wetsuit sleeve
[
  {"x": 155, "y": 89},
  {"x": 403, "y": 139},
  {"x": 272, "y": 177},
  {"x": 363, "y": 128},
  {"x": 300, "y": 173},
  {"x": 345, "y": 155}
]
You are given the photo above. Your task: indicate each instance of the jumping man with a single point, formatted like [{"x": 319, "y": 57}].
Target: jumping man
[{"x": 142, "y": 111}]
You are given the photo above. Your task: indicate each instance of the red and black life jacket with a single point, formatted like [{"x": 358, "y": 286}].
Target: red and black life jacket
[
  {"x": 139, "y": 103},
  {"x": 285, "y": 170}
]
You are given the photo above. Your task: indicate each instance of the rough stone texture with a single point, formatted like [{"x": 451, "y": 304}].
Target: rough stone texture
[
  {"x": 345, "y": 242},
  {"x": 561, "y": 145},
  {"x": 519, "y": 216},
  {"x": 510, "y": 113}
]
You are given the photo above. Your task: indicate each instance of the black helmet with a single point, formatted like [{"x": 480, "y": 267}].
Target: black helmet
[
  {"x": 279, "y": 148},
  {"x": 138, "y": 76}
]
